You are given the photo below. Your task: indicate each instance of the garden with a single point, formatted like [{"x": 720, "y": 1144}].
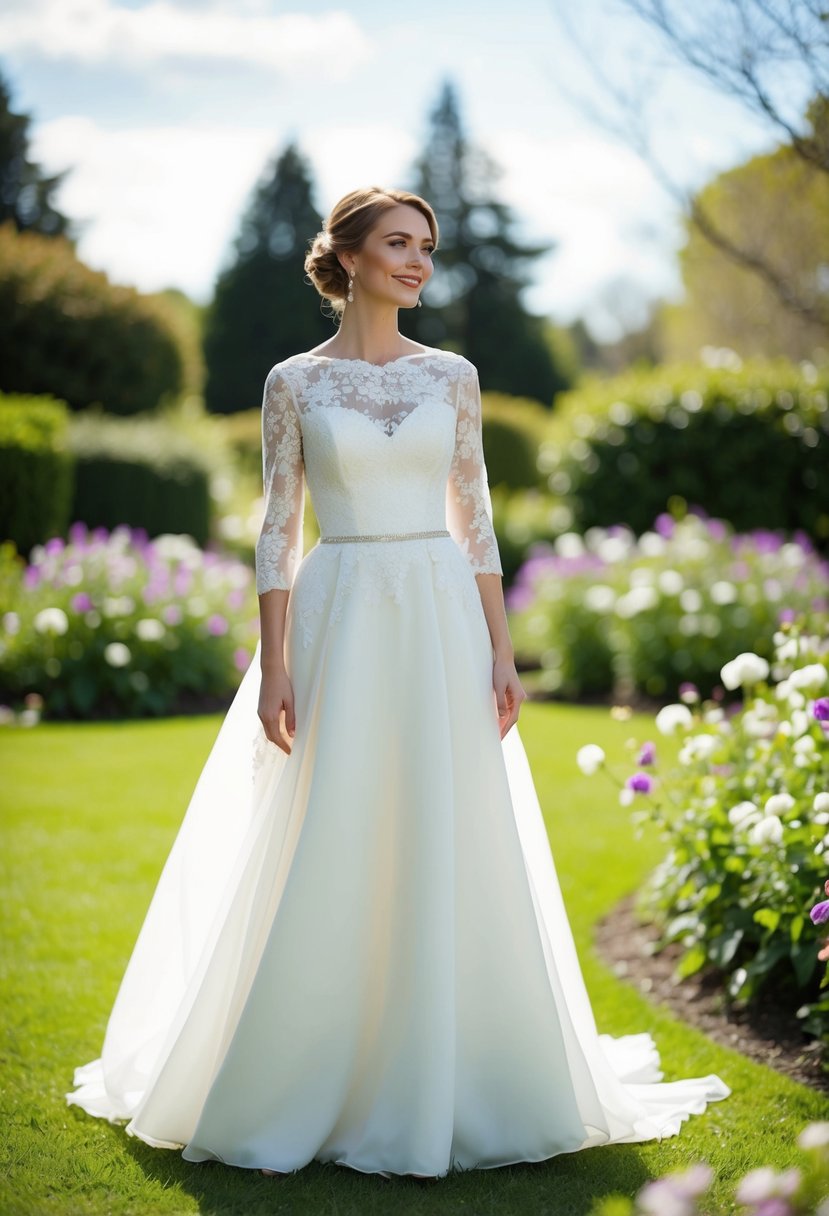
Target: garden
[{"x": 663, "y": 524}]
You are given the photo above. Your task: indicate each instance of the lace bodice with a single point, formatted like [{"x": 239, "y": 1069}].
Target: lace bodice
[{"x": 394, "y": 447}]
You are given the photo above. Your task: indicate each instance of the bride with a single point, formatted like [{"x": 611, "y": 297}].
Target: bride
[{"x": 357, "y": 950}]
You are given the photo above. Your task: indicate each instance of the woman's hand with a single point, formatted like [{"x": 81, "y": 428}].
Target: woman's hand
[
  {"x": 276, "y": 695},
  {"x": 508, "y": 693}
]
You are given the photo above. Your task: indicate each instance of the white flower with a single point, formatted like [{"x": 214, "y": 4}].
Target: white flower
[
  {"x": 670, "y": 582},
  {"x": 638, "y": 599},
  {"x": 672, "y": 716},
  {"x": 626, "y": 796},
  {"x": 118, "y": 605},
  {"x": 715, "y": 714},
  {"x": 590, "y": 758},
  {"x": 743, "y": 814},
  {"x": 599, "y": 598},
  {"x": 569, "y": 544},
  {"x": 821, "y": 802},
  {"x": 811, "y": 676},
  {"x": 804, "y": 746},
  {"x": 148, "y": 629},
  {"x": 815, "y": 1135},
  {"x": 778, "y": 804},
  {"x": 117, "y": 654},
  {"x": 51, "y": 620},
  {"x": 800, "y": 722},
  {"x": 723, "y": 592},
  {"x": 765, "y": 1183},
  {"x": 767, "y": 831},
  {"x": 747, "y": 668},
  {"x": 11, "y": 622},
  {"x": 690, "y": 600},
  {"x": 821, "y": 818}
]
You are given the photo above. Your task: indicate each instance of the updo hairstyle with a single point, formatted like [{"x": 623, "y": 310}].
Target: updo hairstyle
[{"x": 345, "y": 230}]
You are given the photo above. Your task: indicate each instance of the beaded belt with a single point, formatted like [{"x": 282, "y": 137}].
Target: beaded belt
[{"x": 336, "y": 540}]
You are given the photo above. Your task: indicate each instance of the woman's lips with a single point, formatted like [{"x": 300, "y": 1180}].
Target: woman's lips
[{"x": 408, "y": 282}]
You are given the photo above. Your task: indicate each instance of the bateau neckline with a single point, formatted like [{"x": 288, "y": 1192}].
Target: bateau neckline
[{"x": 415, "y": 354}]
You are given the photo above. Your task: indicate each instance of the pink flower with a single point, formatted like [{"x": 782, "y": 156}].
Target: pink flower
[
  {"x": 216, "y": 625},
  {"x": 80, "y": 602},
  {"x": 647, "y": 754}
]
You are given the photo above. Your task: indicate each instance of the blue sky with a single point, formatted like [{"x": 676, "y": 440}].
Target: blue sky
[{"x": 167, "y": 111}]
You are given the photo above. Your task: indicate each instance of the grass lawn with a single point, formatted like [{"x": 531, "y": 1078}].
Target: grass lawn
[{"x": 89, "y": 813}]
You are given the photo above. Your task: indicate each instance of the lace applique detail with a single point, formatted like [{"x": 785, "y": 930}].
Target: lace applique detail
[
  {"x": 279, "y": 546},
  {"x": 468, "y": 502}
]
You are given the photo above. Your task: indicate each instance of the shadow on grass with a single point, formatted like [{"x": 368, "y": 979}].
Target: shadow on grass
[{"x": 574, "y": 1182}]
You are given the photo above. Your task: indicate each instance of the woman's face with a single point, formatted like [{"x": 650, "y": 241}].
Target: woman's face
[{"x": 395, "y": 262}]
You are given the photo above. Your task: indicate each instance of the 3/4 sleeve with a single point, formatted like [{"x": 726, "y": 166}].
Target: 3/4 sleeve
[
  {"x": 468, "y": 502},
  {"x": 279, "y": 546}
]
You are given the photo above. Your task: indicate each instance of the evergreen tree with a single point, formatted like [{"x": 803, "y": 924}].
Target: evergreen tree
[
  {"x": 474, "y": 303},
  {"x": 263, "y": 309},
  {"x": 25, "y": 191}
]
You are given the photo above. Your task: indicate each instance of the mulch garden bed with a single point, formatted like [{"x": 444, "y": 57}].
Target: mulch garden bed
[{"x": 769, "y": 1034}]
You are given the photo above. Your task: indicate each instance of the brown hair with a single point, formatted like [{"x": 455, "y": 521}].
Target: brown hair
[{"x": 345, "y": 230}]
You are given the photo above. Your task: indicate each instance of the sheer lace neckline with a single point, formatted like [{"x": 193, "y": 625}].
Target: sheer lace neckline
[{"x": 415, "y": 354}]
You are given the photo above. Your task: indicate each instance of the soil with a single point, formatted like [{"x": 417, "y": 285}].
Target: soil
[{"x": 769, "y": 1034}]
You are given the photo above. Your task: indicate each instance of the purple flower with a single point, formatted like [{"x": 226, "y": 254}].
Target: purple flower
[
  {"x": 640, "y": 782},
  {"x": 647, "y": 754},
  {"x": 820, "y": 913},
  {"x": 54, "y": 545},
  {"x": 216, "y": 625},
  {"x": 519, "y": 598},
  {"x": 241, "y": 658},
  {"x": 820, "y": 709},
  {"x": 80, "y": 602},
  {"x": 32, "y": 577},
  {"x": 786, "y": 615},
  {"x": 664, "y": 525}
]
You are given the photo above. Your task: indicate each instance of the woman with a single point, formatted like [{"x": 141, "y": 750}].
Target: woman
[{"x": 362, "y": 956}]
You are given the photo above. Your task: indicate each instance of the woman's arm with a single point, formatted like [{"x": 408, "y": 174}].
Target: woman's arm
[{"x": 509, "y": 693}]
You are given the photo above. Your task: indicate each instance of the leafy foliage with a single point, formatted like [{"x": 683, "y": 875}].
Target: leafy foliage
[
  {"x": 65, "y": 329},
  {"x": 112, "y": 624},
  {"x": 36, "y": 469},
  {"x": 747, "y": 443},
  {"x": 610, "y": 612}
]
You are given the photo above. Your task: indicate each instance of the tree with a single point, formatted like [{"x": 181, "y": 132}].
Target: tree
[
  {"x": 263, "y": 310},
  {"x": 474, "y": 302},
  {"x": 779, "y": 207},
  {"x": 764, "y": 54},
  {"x": 25, "y": 191}
]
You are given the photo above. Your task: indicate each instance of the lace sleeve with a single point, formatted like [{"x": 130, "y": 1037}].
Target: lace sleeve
[
  {"x": 468, "y": 504},
  {"x": 279, "y": 547}
]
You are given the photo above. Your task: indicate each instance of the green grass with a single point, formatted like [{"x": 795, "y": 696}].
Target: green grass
[{"x": 89, "y": 814}]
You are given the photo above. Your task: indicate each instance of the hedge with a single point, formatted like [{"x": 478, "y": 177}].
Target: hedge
[
  {"x": 65, "y": 329},
  {"x": 36, "y": 470},
  {"x": 750, "y": 446}
]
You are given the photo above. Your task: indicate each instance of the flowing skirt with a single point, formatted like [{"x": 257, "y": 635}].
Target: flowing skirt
[{"x": 359, "y": 953}]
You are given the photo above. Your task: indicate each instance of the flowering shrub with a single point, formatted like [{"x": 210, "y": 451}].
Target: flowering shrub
[
  {"x": 801, "y": 1190},
  {"x": 745, "y": 813},
  {"x": 111, "y": 623},
  {"x": 609, "y": 612}
]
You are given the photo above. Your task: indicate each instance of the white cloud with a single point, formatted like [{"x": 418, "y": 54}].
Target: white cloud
[
  {"x": 163, "y": 202},
  {"x": 606, "y": 212},
  {"x": 330, "y": 44}
]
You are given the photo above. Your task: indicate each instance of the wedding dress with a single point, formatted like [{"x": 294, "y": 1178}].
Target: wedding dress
[{"x": 358, "y": 952}]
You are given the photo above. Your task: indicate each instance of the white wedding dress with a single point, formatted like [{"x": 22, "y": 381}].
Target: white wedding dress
[{"x": 359, "y": 953}]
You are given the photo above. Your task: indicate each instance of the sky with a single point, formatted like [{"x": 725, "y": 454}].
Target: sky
[{"x": 167, "y": 112}]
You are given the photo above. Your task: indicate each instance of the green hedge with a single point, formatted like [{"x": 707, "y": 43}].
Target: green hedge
[
  {"x": 750, "y": 446},
  {"x": 65, "y": 329},
  {"x": 36, "y": 470},
  {"x": 141, "y": 473},
  {"x": 513, "y": 428}
]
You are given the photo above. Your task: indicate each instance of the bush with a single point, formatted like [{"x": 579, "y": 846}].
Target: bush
[
  {"x": 609, "y": 613},
  {"x": 65, "y": 329},
  {"x": 116, "y": 624},
  {"x": 139, "y": 472},
  {"x": 36, "y": 470},
  {"x": 513, "y": 428},
  {"x": 750, "y": 446}
]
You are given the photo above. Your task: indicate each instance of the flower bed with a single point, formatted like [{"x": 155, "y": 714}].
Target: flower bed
[
  {"x": 111, "y": 623},
  {"x": 745, "y": 815},
  {"x": 610, "y": 612}
]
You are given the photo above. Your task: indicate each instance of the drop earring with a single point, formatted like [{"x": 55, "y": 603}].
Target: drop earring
[
  {"x": 418, "y": 302},
  {"x": 350, "y": 296}
]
